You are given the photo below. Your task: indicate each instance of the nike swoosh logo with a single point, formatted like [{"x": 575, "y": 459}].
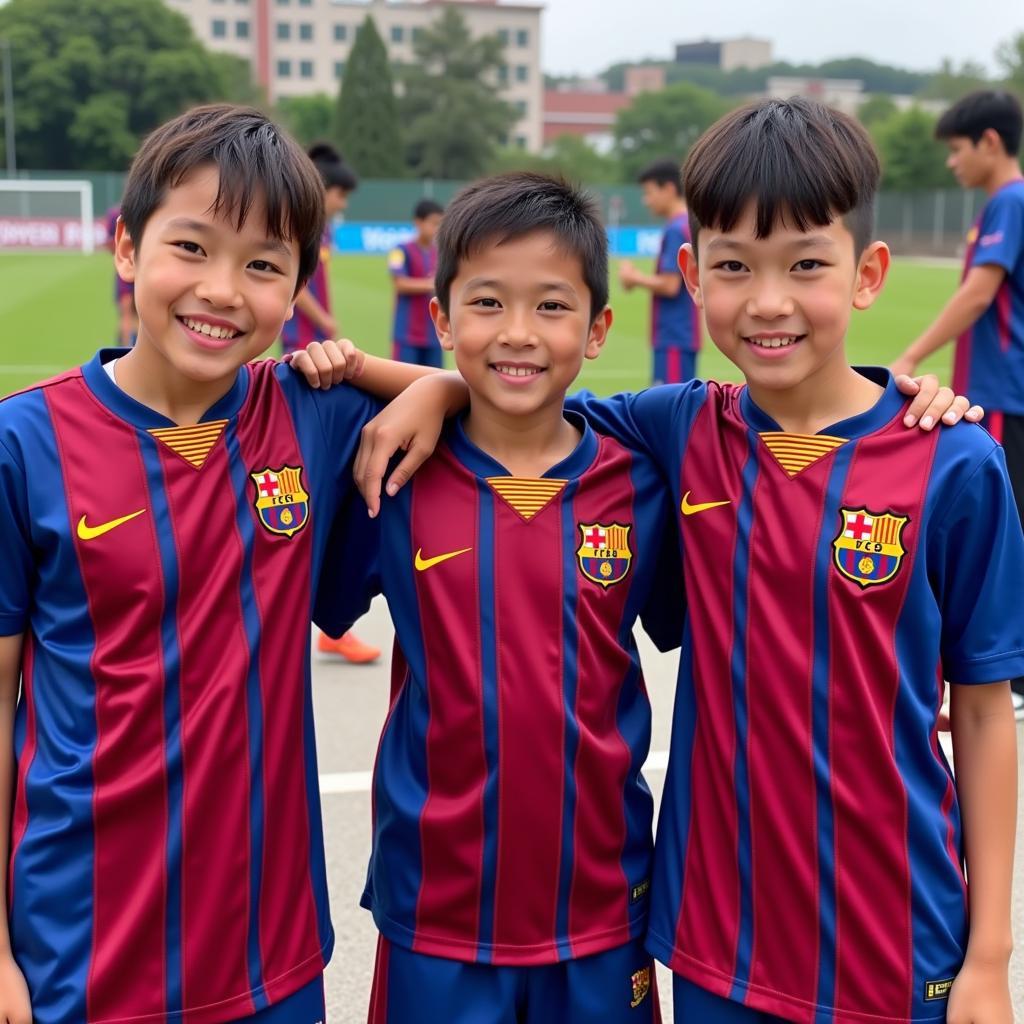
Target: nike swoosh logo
[
  {"x": 422, "y": 563},
  {"x": 692, "y": 510},
  {"x": 86, "y": 532}
]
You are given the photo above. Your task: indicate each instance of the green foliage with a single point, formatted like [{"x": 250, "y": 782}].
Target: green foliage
[
  {"x": 92, "y": 76},
  {"x": 569, "y": 156},
  {"x": 912, "y": 158},
  {"x": 1010, "y": 57},
  {"x": 453, "y": 115},
  {"x": 664, "y": 124},
  {"x": 308, "y": 118},
  {"x": 876, "y": 110},
  {"x": 951, "y": 83},
  {"x": 366, "y": 125}
]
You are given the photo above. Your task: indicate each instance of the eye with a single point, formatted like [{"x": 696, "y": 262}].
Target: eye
[
  {"x": 552, "y": 306},
  {"x": 730, "y": 266},
  {"x": 193, "y": 248},
  {"x": 487, "y": 302},
  {"x": 809, "y": 265},
  {"x": 264, "y": 267}
]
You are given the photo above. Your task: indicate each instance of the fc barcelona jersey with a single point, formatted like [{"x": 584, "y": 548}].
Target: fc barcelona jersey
[
  {"x": 413, "y": 325},
  {"x": 300, "y": 330},
  {"x": 808, "y": 857},
  {"x": 166, "y": 855},
  {"x": 512, "y": 824}
]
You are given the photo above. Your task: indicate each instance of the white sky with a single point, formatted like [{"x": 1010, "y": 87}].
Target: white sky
[{"x": 585, "y": 36}]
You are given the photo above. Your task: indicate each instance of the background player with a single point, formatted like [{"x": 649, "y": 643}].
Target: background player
[
  {"x": 675, "y": 321},
  {"x": 412, "y": 265},
  {"x": 124, "y": 292},
  {"x": 986, "y": 314}
]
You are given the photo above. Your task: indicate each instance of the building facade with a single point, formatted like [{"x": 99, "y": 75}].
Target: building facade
[
  {"x": 727, "y": 54},
  {"x": 300, "y": 47}
]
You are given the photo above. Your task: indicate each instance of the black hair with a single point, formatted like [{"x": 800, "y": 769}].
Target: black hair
[
  {"x": 798, "y": 159},
  {"x": 663, "y": 172},
  {"x": 334, "y": 172},
  {"x": 426, "y": 208},
  {"x": 254, "y": 159},
  {"x": 979, "y": 111},
  {"x": 509, "y": 206}
]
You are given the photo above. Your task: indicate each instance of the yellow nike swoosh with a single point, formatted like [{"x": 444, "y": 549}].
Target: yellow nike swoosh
[
  {"x": 86, "y": 532},
  {"x": 422, "y": 563},
  {"x": 692, "y": 510}
]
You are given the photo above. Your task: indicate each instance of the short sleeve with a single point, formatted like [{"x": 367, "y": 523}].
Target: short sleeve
[
  {"x": 15, "y": 547},
  {"x": 1001, "y": 233},
  {"x": 977, "y": 564},
  {"x": 668, "y": 258},
  {"x": 398, "y": 262}
]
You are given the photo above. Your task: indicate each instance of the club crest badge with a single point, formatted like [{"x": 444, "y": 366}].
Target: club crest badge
[
  {"x": 869, "y": 546},
  {"x": 604, "y": 554},
  {"x": 641, "y": 986},
  {"x": 281, "y": 502}
]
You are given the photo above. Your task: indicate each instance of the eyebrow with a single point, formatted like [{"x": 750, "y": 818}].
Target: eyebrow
[
  {"x": 803, "y": 242},
  {"x": 188, "y": 224},
  {"x": 546, "y": 286}
]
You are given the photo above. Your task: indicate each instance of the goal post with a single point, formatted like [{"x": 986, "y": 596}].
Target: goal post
[{"x": 47, "y": 213}]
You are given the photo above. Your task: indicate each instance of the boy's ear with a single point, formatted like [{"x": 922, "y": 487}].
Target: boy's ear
[
  {"x": 691, "y": 273},
  {"x": 124, "y": 253},
  {"x": 598, "y": 333},
  {"x": 871, "y": 273},
  {"x": 442, "y": 324},
  {"x": 992, "y": 141}
]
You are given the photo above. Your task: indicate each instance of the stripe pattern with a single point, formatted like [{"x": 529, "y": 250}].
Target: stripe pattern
[
  {"x": 193, "y": 444},
  {"x": 796, "y": 452},
  {"x": 526, "y": 496}
]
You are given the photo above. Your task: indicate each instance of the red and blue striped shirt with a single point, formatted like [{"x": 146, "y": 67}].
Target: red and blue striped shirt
[
  {"x": 413, "y": 325},
  {"x": 300, "y": 330},
  {"x": 675, "y": 320}
]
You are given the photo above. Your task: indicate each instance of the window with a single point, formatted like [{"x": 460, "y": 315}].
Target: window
[
  {"x": 340, "y": 33},
  {"x": 305, "y": 3},
  {"x": 503, "y": 36},
  {"x": 503, "y": 74},
  {"x": 339, "y": 68},
  {"x": 522, "y": 73},
  {"x": 521, "y": 141},
  {"x": 523, "y": 37},
  {"x": 520, "y": 107},
  {"x": 284, "y": 30},
  {"x": 241, "y": 30},
  {"x": 283, "y": 3},
  {"x": 397, "y": 33},
  {"x": 284, "y": 69},
  {"x": 306, "y": 32},
  {"x": 306, "y": 69},
  {"x": 219, "y": 28},
  {"x": 417, "y": 34}
]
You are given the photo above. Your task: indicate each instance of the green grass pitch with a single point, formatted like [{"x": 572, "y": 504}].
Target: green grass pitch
[{"x": 56, "y": 309}]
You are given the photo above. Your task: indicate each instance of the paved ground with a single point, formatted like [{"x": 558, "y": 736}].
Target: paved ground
[{"x": 350, "y": 705}]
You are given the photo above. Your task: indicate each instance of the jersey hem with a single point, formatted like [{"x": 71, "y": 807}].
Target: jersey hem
[
  {"x": 498, "y": 954},
  {"x": 765, "y": 1000}
]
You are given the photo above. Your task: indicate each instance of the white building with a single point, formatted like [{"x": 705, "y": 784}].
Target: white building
[
  {"x": 726, "y": 54},
  {"x": 300, "y": 47}
]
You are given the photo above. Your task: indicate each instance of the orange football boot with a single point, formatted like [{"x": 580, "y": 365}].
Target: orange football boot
[{"x": 349, "y": 647}]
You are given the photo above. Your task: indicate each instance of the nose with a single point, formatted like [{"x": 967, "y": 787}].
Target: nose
[
  {"x": 517, "y": 329},
  {"x": 219, "y": 285},
  {"x": 769, "y": 299}
]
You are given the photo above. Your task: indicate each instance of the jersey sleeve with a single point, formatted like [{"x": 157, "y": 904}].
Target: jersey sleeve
[
  {"x": 977, "y": 565},
  {"x": 1001, "y": 234},
  {"x": 668, "y": 258},
  {"x": 398, "y": 262},
  {"x": 15, "y": 546}
]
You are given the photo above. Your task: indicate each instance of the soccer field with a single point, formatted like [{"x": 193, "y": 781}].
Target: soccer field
[{"x": 56, "y": 309}]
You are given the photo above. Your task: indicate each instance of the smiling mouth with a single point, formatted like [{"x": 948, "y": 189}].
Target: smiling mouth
[
  {"x": 517, "y": 371},
  {"x": 786, "y": 341},
  {"x": 208, "y": 330}
]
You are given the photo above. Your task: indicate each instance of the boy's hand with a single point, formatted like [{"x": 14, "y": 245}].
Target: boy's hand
[
  {"x": 15, "y": 1006},
  {"x": 325, "y": 364},
  {"x": 980, "y": 994},
  {"x": 933, "y": 403},
  {"x": 627, "y": 274}
]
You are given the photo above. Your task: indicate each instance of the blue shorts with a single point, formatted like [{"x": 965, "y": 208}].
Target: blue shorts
[
  {"x": 614, "y": 987},
  {"x": 418, "y": 355},
  {"x": 306, "y": 1006},
  {"x": 673, "y": 366},
  {"x": 690, "y": 1002}
]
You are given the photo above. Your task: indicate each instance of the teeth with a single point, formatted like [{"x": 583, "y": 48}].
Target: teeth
[
  {"x": 517, "y": 371},
  {"x": 210, "y": 330},
  {"x": 774, "y": 342}
]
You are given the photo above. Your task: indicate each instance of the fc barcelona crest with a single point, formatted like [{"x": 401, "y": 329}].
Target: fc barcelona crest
[
  {"x": 641, "y": 986},
  {"x": 281, "y": 502},
  {"x": 604, "y": 553},
  {"x": 869, "y": 547}
]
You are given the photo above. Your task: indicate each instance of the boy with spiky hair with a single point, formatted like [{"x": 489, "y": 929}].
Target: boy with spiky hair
[{"x": 412, "y": 265}]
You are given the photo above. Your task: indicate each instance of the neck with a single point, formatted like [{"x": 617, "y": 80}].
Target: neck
[
  {"x": 145, "y": 375},
  {"x": 677, "y": 209},
  {"x": 1008, "y": 170},
  {"x": 527, "y": 446},
  {"x": 833, "y": 394}
]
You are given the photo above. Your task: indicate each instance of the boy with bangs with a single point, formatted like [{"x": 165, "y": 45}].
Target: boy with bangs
[
  {"x": 809, "y": 863},
  {"x": 166, "y": 516}
]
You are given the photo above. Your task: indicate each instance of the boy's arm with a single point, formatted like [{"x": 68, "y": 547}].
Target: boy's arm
[
  {"x": 985, "y": 755},
  {"x": 312, "y": 309},
  {"x": 969, "y": 301},
  {"x": 413, "y": 285},
  {"x": 15, "y": 1007},
  {"x": 665, "y": 285}
]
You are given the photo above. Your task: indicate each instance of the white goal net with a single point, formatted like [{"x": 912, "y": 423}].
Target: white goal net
[{"x": 48, "y": 214}]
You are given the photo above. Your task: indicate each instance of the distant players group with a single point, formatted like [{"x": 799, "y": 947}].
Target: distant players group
[{"x": 173, "y": 515}]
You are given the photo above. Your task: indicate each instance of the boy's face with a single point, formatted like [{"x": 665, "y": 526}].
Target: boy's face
[
  {"x": 519, "y": 324},
  {"x": 335, "y": 201},
  {"x": 209, "y": 297},
  {"x": 659, "y": 199},
  {"x": 972, "y": 163},
  {"x": 778, "y": 307},
  {"x": 427, "y": 227}
]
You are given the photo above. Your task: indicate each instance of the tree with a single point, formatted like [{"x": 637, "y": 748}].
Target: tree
[
  {"x": 569, "y": 156},
  {"x": 875, "y": 110},
  {"x": 308, "y": 118},
  {"x": 912, "y": 158},
  {"x": 453, "y": 116},
  {"x": 951, "y": 83},
  {"x": 664, "y": 124},
  {"x": 366, "y": 118},
  {"x": 1010, "y": 57},
  {"x": 92, "y": 76}
]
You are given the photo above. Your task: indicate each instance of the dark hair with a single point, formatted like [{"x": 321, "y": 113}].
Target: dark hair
[
  {"x": 979, "y": 111},
  {"x": 254, "y": 158},
  {"x": 334, "y": 172},
  {"x": 663, "y": 172},
  {"x": 426, "y": 208},
  {"x": 800, "y": 160},
  {"x": 509, "y": 206}
]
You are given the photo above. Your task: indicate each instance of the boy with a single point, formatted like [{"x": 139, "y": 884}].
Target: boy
[
  {"x": 808, "y": 861},
  {"x": 412, "y": 267},
  {"x": 165, "y": 516},
  {"x": 986, "y": 314},
  {"x": 675, "y": 320},
  {"x": 124, "y": 294}
]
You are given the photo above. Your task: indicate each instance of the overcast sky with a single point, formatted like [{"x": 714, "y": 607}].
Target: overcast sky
[{"x": 914, "y": 34}]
